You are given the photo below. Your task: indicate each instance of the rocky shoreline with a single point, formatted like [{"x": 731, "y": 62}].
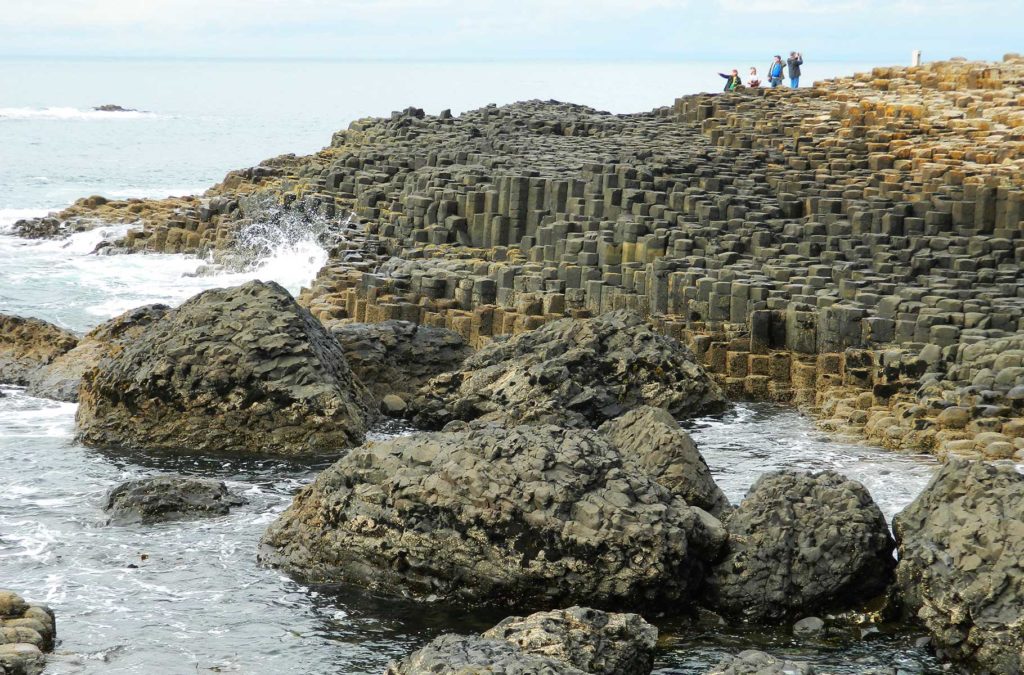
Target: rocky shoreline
[{"x": 544, "y": 290}]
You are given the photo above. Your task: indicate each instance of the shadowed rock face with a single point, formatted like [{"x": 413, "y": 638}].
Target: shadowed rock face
[
  {"x": 961, "y": 543},
  {"x": 580, "y": 372},
  {"x": 163, "y": 498},
  {"x": 651, "y": 438},
  {"x": 240, "y": 370},
  {"x": 530, "y": 516},
  {"x": 799, "y": 543},
  {"x": 397, "y": 357},
  {"x": 60, "y": 378},
  {"x": 29, "y": 345}
]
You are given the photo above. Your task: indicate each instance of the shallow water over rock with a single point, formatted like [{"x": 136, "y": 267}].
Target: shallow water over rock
[{"x": 188, "y": 596}]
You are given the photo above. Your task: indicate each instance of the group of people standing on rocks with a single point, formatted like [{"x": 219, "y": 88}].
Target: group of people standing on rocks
[{"x": 776, "y": 68}]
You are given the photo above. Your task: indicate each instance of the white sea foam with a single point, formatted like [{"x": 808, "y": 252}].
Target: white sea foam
[{"x": 61, "y": 113}]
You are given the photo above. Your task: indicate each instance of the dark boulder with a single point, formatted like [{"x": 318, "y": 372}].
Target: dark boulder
[
  {"x": 240, "y": 370},
  {"x": 799, "y": 543},
  {"x": 578, "y": 372},
  {"x": 652, "y": 439},
  {"x": 398, "y": 357},
  {"x": 163, "y": 498},
  {"x": 29, "y": 345},
  {"x": 961, "y": 547},
  {"x": 531, "y": 516}
]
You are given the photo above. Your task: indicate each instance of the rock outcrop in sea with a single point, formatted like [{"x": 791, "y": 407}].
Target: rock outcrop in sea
[
  {"x": 162, "y": 498},
  {"x": 577, "y": 372},
  {"x": 27, "y": 346},
  {"x": 961, "y": 543},
  {"x": 532, "y": 516},
  {"x": 572, "y": 641},
  {"x": 238, "y": 370},
  {"x": 26, "y": 632},
  {"x": 801, "y": 543}
]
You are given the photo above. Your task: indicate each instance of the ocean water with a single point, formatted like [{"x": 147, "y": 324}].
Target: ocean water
[{"x": 188, "y": 597}]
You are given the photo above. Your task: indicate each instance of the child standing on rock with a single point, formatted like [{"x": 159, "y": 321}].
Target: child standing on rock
[{"x": 733, "y": 81}]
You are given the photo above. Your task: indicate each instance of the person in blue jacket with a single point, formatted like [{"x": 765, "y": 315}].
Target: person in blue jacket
[
  {"x": 733, "y": 81},
  {"x": 775, "y": 72},
  {"x": 793, "y": 64}
]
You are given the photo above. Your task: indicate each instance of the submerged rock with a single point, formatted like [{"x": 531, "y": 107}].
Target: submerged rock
[
  {"x": 29, "y": 345},
  {"x": 530, "y": 516},
  {"x": 574, "y": 640},
  {"x": 397, "y": 357},
  {"x": 26, "y": 631},
  {"x": 580, "y": 372},
  {"x": 61, "y": 378},
  {"x": 753, "y": 662},
  {"x": 651, "y": 438},
  {"x": 961, "y": 543},
  {"x": 243, "y": 370},
  {"x": 591, "y": 640},
  {"x": 163, "y": 498},
  {"x": 799, "y": 543},
  {"x": 467, "y": 655}
]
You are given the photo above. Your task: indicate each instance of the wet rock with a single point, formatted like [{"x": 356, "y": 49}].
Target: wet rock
[
  {"x": 163, "y": 498},
  {"x": 580, "y": 372},
  {"x": 960, "y": 546},
  {"x": 393, "y": 405},
  {"x": 652, "y": 439},
  {"x": 589, "y": 639},
  {"x": 398, "y": 357},
  {"x": 26, "y": 631},
  {"x": 811, "y": 627},
  {"x": 800, "y": 543},
  {"x": 242, "y": 370},
  {"x": 28, "y": 345},
  {"x": 530, "y": 516},
  {"x": 461, "y": 655},
  {"x": 60, "y": 378},
  {"x": 753, "y": 662},
  {"x": 111, "y": 107}
]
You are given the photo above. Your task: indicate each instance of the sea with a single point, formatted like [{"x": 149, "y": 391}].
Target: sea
[{"x": 188, "y": 597}]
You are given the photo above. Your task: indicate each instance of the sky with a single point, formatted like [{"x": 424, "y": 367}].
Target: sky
[{"x": 876, "y": 31}]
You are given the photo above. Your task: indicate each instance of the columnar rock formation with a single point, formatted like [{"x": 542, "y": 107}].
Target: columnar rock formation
[
  {"x": 840, "y": 245},
  {"x": 28, "y": 346},
  {"x": 242, "y": 370},
  {"x": 26, "y": 632}
]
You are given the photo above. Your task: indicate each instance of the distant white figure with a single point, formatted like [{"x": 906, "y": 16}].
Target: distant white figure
[{"x": 915, "y": 57}]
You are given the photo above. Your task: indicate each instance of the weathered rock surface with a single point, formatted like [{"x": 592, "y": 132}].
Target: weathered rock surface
[
  {"x": 589, "y": 639},
  {"x": 475, "y": 655},
  {"x": 576, "y": 371},
  {"x": 28, "y": 345},
  {"x": 398, "y": 357},
  {"x": 242, "y": 370},
  {"x": 651, "y": 438},
  {"x": 530, "y": 516},
  {"x": 801, "y": 542},
  {"x": 961, "y": 543},
  {"x": 753, "y": 662},
  {"x": 26, "y": 631},
  {"x": 163, "y": 498},
  {"x": 60, "y": 378}
]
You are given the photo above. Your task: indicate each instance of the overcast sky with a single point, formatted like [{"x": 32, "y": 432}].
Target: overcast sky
[{"x": 878, "y": 31}]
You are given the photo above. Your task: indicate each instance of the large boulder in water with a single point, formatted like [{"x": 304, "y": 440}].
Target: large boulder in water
[
  {"x": 476, "y": 655},
  {"x": 961, "y": 547},
  {"x": 162, "y": 498},
  {"x": 241, "y": 370},
  {"x": 579, "y": 372},
  {"x": 29, "y": 345},
  {"x": 800, "y": 543},
  {"x": 398, "y": 357},
  {"x": 61, "y": 378},
  {"x": 531, "y": 516},
  {"x": 652, "y": 439}
]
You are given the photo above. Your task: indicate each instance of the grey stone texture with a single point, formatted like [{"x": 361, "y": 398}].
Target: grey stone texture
[
  {"x": 960, "y": 546},
  {"x": 529, "y": 517},
  {"x": 26, "y": 632},
  {"x": 801, "y": 543},
  {"x": 28, "y": 345},
  {"x": 580, "y": 372},
  {"x": 163, "y": 498},
  {"x": 237, "y": 370},
  {"x": 753, "y": 662}
]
